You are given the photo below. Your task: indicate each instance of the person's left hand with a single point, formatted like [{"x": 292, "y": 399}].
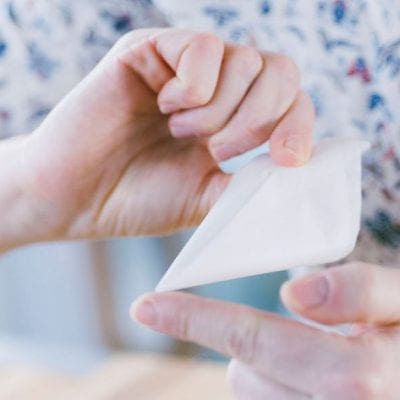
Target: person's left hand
[{"x": 275, "y": 358}]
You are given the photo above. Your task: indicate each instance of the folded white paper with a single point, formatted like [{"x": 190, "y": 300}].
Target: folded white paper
[{"x": 272, "y": 218}]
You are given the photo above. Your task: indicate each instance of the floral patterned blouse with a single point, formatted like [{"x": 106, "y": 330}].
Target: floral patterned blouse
[{"x": 348, "y": 52}]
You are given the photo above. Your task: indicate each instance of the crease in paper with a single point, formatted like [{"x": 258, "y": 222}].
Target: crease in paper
[{"x": 272, "y": 218}]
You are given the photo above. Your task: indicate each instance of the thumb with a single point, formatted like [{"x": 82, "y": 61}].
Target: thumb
[{"x": 353, "y": 293}]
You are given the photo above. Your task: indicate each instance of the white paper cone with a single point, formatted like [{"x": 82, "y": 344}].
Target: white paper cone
[{"x": 273, "y": 218}]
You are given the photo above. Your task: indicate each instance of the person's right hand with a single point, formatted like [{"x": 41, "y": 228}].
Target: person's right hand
[{"x": 134, "y": 148}]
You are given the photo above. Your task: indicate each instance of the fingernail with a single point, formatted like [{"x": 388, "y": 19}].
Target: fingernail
[
  {"x": 222, "y": 152},
  {"x": 144, "y": 312},
  {"x": 310, "y": 292},
  {"x": 296, "y": 147},
  {"x": 180, "y": 131},
  {"x": 167, "y": 108}
]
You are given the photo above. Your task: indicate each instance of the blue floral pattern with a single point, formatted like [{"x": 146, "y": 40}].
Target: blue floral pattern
[
  {"x": 46, "y": 47},
  {"x": 348, "y": 52},
  {"x": 349, "y": 55}
]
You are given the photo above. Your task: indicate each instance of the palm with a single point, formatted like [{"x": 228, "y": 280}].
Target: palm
[{"x": 175, "y": 190}]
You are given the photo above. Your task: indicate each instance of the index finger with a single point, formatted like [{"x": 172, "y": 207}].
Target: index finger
[
  {"x": 182, "y": 66},
  {"x": 276, "y": 347},
  {"x": 196, "y": 58}
]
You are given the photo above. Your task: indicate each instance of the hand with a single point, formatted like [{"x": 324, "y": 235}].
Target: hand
[
  {"x": 134, "y": 148},
  {"x": 275, "y": 358}
]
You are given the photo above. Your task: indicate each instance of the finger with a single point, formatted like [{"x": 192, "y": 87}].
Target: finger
[
  {"x": 240, "y": 67},
  {"x": 276, "y": 347},
  {"x": 143, "y": 58},
  {"x": 353, "y": 293},
  {"x": 247, "y": 384},
  {"x": 181, "y": 65},
  {"x": 196, "y": 59},
  {"x": 270, "y": 97},
  {"x": 291, "y": 141}
]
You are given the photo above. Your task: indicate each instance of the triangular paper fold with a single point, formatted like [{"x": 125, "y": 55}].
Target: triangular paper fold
[{"x": 273, "y": 218}]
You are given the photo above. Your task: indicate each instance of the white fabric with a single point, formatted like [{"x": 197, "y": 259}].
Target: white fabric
[{"x": 272, "y": 218}]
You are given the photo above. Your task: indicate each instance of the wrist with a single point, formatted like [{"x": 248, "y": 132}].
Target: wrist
[
  {"x": 11, "y": 194},
  {"x": 21, "y": 219}
]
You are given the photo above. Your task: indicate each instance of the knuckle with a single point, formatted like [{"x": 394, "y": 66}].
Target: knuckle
[
  {"x": 287, "y": 67},
  {"x": 196, "y": 95},
  {"x": 288, "y": 70},
  {"x": 256, "y": 132},
  {"x": 205, "y": 122},
  {"x": 248, "y": 61},
  {"x": 206, "y": 126},
  {"x": 306, "y": 102},
  {"x": 307, "y": 105},
  {"x": 243, "y": 341},
  {"x": 209, "y": 39}
]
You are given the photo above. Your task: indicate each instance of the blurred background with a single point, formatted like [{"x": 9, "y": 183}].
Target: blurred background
[{"x": 65, "y": 305}]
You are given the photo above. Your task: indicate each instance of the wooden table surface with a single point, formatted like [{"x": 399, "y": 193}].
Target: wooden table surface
[{"x": 123, "y": 377}]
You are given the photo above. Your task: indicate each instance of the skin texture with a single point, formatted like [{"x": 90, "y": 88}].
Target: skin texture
[
  {"x": 134, "y": 148},
  {"x": 283, "y": 359}
]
